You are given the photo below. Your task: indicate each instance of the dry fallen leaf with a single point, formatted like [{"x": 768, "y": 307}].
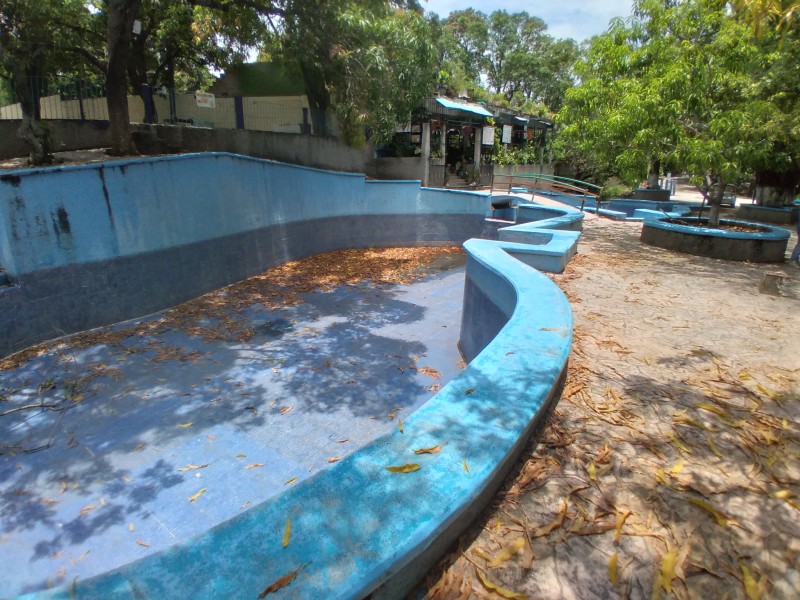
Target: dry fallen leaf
[
  {"x": 722, "y": 519},
  {"x": 409, "y": 468},
  {"x": 612, "y": 570},
  {"x": 87, "y": 509},
  {"x": 432, "y": 450},
  {"x": 287, "y": 533},
  {"x": 334, "y": 459},
  {"x": 500, "y": 591},
  {"x": 667, "y": 573},
  {"x": 291, "y": 481},
  {"x": 193, "y": 467},
  {"x": 185, "y": 425},
  {"x": 197, "y": 495},
  {"x": 141, "y": 543},
  {"x": 400, "y": 425},
  {"x": 464, "y": 465},
  {"x": 281, "y": 582},
  {"x": 254, "y": 466},
  {"x": 286, "y": 409},
  {"x": 507, "y": 552}
]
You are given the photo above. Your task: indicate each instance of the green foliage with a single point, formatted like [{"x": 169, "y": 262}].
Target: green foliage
[
  {"x": 512, "y": 52},
  {"x": 615, "y": 190},
  {"x": 529, "y": 154},
  {"x": 372, "y": 63},
  {"x": 690, "y": 85}
]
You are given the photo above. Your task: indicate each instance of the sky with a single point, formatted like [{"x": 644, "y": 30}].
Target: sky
[{"x": 577, "y": 19}]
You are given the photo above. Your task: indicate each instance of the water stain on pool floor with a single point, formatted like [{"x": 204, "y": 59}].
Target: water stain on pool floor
[{"x": 141, "y": 435}]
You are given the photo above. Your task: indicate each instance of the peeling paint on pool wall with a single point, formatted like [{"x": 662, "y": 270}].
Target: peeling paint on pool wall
[{"x": 127, "y": 238}]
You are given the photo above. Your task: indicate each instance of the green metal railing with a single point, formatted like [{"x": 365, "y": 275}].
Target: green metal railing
[{"x": 555, "y": 183}]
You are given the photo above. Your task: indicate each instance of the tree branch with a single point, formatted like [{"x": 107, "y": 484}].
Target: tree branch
[{"x": 98, "y": 64}]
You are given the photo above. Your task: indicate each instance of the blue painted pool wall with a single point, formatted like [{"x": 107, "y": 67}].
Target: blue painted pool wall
[
  {"x": 91, "y": 245},
  {"x": 359, "y": 529}
]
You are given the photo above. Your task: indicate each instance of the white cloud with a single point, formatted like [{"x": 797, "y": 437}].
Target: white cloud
[{"x": 578, "y": 19}]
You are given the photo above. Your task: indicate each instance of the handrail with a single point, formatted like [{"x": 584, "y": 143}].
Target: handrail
[
  {"x": 559, "y": 178},
  {"x": 555, "y": 182}
]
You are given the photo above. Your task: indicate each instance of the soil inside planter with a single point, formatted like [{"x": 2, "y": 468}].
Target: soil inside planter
[{"x": 724, "y": 225}]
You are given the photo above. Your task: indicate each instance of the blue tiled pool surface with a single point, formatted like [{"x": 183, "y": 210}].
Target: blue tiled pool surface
[{"x": 317, "y": 381}]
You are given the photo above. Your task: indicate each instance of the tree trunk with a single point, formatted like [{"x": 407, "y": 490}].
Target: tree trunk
[
  {"x": 29, "y": 92},
  {"x": 121, "y": 14},
  {"x": 319, "y": 100},
  {"x": 777, "y": 189},
  {"x": 714, "y": 203}
]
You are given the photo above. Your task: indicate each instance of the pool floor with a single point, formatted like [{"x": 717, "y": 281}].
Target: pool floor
[{"x": 169, "y": 433}]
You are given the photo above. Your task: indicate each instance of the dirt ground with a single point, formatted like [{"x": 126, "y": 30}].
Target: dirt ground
[{"x": 671, "y": 466}]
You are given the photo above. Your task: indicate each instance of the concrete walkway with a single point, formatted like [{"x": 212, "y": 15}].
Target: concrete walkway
[
  {"x": 145, "y": 434},
  {"x": 671, "y": 466}
]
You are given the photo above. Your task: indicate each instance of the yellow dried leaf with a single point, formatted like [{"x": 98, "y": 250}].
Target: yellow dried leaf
[
  {"x": 291, "y": 481},
  {"x": 481, "y": 554},
  {"x": 591, "y": 469},
  {"x": 507, "y": 552},
  {"x": 752, "y": 588},
  {"x": 409, "y": 468},
  {"x": 720, "y": 517},
  {"x": 285, "y": 409},
  {"x": 668, "y": 565},
  {"x": 677, "y": 467},
  {"x": 612, "y": 570},
  {"x": 192, "y": 467},
  {"x": 766, "y": 392},
  {"x": 87, "y": 509},
  {"x": 620, "y": 522},
  {"x": 241, "y": 456},
  {"x": 500, "y": 591},
  {"x": 185, "y": 425},
  {"x": 197, "y": 495},
  {"x": 432, "y": 450},
  {"x": 781, "y": 494},
  {"x": 711, "y": 408},
  {"x": 464, "y": 465},
  {"x": 744, "y": 375},
  {"x": 713, "y": 447},
  {"x": 400, "y": 425},
  {"x": 131, "y": 528},
  {"x": 287, "y": 533},
  {"x": 254, "y": 466}
]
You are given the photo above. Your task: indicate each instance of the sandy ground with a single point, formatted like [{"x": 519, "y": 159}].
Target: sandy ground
[{"x": 670, "y": 468}]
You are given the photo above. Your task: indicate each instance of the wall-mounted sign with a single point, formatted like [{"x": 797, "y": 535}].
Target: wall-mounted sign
[
  {"x": 488, "y": 136},
  {"x": 506, "y": 134},
  {"x": 205, "y": 100}
]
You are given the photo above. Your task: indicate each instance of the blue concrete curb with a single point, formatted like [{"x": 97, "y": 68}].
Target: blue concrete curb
[{"x": 771, "y": 233}]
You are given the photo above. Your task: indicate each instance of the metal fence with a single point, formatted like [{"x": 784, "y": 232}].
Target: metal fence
[{"x": 86, "y": 100}]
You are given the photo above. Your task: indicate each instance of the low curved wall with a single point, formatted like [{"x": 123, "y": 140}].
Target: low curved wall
[
  {"x": 358, "y": 528},
  {"x": 763, "y": 247},
  {"x": 91, "y": 245}
]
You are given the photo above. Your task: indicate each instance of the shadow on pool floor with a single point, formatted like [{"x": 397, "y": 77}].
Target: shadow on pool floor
[{"x": 169, "y": 433}]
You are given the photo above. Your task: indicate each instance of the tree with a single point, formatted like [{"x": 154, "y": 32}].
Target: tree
[
  {"x": 31, "y": 48},
  {"x": 688, "y": 83},
  {"x": 369, "y": 60}
]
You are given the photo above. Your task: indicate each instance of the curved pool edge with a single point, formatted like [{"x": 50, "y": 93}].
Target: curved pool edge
[
  {"x": 768, "y": 246},
  {"x": 356, "y": 527}
]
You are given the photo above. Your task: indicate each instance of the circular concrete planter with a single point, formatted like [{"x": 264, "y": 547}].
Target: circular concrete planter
[{"x": 765, "y": 246}]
